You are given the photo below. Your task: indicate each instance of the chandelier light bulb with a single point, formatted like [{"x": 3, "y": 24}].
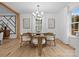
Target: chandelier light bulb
[
  {"x": 38, "y": 15},
  {"x": 37, "y": 12},
  {"x": 34, "y": 14},
  {"x": 42, "y": 13}
]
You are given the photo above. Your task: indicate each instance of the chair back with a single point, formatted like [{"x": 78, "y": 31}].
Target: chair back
[{"x": 49, "y": 33}]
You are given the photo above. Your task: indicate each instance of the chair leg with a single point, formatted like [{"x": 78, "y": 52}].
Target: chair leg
[
  {"x": 1, "y": 41},
  {"x": 54, "y": 43},
  {"x": 21, "y": 41},
  {"x": 30, "y": 43},
  {"x": 51, "y": 43},
  {"x": 20, "y": 44},
  {"x": 45, "y": 42}
]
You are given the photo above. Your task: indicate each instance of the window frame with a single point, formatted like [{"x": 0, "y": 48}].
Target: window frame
[{"x": 74, "y": 30}]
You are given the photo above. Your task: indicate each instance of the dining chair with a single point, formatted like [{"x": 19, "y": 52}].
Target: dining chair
[
  {"x": 35, "y": 40},
  {"x": 50, "y": 38},
  {"x": 1, "y": 37},
  {"x": 25, "y": 37}
]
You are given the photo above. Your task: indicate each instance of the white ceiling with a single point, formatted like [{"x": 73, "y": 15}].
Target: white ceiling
[
  {"x": 4, "y": 10},
  {"x": 47, "y": 7}
]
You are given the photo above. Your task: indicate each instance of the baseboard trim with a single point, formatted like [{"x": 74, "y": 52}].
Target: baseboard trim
[
  {"x": 65, "y": 43},
  {"x": 71, "y": 46}
]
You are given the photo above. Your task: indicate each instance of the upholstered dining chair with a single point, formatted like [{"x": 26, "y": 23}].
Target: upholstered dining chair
[
  {"x": 25, "y": 37},
  {"x": 35, "y": 40},
  {"x": 50, "y": 37},
  {"x": 1, "y": 37}
]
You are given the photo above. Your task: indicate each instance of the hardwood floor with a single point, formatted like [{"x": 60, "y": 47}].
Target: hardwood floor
[{"x": 11, "y": 48}]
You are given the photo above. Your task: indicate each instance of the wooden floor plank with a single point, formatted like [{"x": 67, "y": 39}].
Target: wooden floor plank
[{"x": 11, "y": 48}]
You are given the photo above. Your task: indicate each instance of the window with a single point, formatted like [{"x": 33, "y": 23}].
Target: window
[{"x": 75, "y": 21}]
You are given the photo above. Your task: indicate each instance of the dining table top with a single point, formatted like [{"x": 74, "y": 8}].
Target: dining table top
[
  {"x": 29, "y": 33},
  {"x": 39, "y": 36}
]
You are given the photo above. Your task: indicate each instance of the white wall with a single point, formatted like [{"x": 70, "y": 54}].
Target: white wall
[
  {"x": 32, "y": 26},
  {"x": 45, "y": 22},
  {"x": 21, "y": 22},
  {"x": 62, "y": 25}
]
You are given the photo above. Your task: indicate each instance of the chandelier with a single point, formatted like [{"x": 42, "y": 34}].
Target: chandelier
[{"x": 37, "y": 13}]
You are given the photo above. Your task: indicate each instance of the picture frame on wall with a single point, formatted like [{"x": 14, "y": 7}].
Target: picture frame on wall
[
  {"x": 26, "y": 23},
  {"x": 51, "y": 23}
]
